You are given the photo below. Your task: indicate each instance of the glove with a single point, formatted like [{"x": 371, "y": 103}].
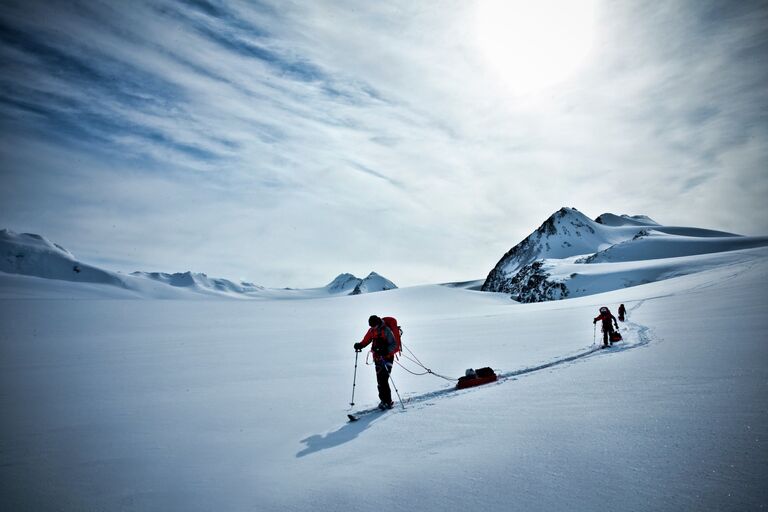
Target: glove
[
  {"x": 594, "y": 322},
  {"x": 358, "y": 346}
]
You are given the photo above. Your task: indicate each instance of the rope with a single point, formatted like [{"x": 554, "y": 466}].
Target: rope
[
  {"x": 416, "y": 361},
  {"x": 409, "y": 371}
]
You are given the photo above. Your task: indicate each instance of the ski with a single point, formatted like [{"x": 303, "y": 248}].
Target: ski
[{"x": 356, "y": 416}]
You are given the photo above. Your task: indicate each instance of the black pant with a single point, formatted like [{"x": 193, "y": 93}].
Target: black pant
[
  {"x": 383, "y": 368},
  {"x": 606, "y": 333}
]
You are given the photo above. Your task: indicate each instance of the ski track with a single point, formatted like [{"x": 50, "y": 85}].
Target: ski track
[
  {"x": 641, "y": 337},
  {"x": 635, "y": 334}
]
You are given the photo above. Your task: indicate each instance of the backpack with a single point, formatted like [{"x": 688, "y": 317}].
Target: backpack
[{"x": 397, "y": 332}]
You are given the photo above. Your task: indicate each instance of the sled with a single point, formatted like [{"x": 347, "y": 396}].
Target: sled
[
  {"x": 615, "y": 336},
  {"x": 476, "y": 378}
]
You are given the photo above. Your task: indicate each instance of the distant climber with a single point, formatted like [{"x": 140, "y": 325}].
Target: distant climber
[
  {"x": 622, "y": 312},
  {"x": 386, "y": 343},
  {"x": 608, "y": 322}
]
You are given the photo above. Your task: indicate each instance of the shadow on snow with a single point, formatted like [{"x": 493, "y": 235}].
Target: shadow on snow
[{"x": 343, "y": 434}]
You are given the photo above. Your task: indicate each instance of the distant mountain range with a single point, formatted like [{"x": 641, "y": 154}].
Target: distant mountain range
[
  {"x": 31, "y": 255},
  {"x": 570, "y": 255}
]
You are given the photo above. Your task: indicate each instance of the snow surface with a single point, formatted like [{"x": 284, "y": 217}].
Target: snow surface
[
  {"x": 33, "y": 256},
  {"x": 199, "y": 405}
]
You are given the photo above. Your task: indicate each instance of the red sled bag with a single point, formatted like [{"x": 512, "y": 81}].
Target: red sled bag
[
  {"x": 476, "y": 378},
  {"x": 615, "y": 336}
]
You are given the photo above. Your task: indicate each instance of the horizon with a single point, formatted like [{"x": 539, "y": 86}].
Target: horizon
[
  {"x": 364, "y": 275},
  {"x": 260, "y": 142}
]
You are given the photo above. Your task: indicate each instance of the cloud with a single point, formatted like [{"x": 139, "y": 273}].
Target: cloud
[{"x": 288, "y": 142}]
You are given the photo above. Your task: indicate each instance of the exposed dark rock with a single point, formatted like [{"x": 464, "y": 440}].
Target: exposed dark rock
[{"x": 531, "y": 284}]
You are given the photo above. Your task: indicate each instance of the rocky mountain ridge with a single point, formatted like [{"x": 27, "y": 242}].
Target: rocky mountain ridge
[{"x": 571, "y": 255}]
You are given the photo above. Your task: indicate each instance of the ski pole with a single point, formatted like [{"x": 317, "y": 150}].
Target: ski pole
[
  {"x": 354, "y": 379},
  {"x": 594, "y": 333},
  {"x": 389, "y": 373}
]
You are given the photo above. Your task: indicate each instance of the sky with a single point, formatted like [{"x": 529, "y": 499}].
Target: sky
[{"x": 284, "y": 143}]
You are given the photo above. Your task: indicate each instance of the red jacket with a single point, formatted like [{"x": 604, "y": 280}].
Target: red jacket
[
  {"x": 384, "y": 342},
  {"x": 606, "y": 319}
]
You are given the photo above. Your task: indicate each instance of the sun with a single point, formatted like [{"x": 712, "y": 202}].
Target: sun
[{"x": 534, "y": 44}]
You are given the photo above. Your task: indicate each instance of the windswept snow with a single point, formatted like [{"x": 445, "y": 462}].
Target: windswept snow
[{"x": 241, "y": 405}]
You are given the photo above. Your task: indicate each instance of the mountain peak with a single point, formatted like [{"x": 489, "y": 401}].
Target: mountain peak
[
  {"x": 373, "y": 283},
  {"x": 553, "y": 261},
  {"x": 348, "y": 283},
  {"x": 343, "y": 283},
  {"x": 561, "y": 219},
  {"x": 567, "y": 232}
]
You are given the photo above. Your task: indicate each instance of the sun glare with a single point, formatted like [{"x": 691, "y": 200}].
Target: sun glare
[{"x": 537, "y": 43}]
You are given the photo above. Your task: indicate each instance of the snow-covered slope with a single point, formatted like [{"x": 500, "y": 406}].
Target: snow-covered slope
[
  {"x": 32, "y": 255},
  {"x": 652, "y": 244},
  {"x": 241, "y": 405},
  {"x": 343, "y": 284},
  {"x": 200, "y": 282},
  {"x": 32, "y": 266},
  {"x": 557, "y": 260}
]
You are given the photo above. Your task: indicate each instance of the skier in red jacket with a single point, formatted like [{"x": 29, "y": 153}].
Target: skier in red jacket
[
  {"x": 606, "y": 317},
  {"x": 383, "y": 349}
]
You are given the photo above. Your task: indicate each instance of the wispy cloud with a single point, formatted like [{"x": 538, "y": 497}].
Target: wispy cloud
[{"x": 244, "y": 138}]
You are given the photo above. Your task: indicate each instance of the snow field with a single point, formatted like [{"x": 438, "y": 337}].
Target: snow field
[{"x": 234, "y": 405}]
